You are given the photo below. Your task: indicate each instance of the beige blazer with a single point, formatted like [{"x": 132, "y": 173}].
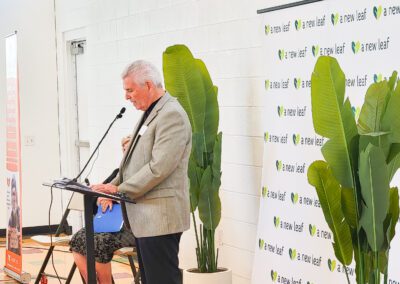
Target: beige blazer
[{"x": 153, "y": 172}]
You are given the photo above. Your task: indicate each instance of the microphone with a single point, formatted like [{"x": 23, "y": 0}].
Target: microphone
[
  {"x": 121, "y": 112},
  {"x": 119, "y": 115}
]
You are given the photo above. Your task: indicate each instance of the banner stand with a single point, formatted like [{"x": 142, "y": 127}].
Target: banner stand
[
  {"x": 24, "y": 277},
  {"x": 13, "y": 263}
]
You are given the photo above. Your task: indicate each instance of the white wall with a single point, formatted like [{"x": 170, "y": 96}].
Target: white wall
[
  {"x": 226, "y": 35},
  {"x": 34, "y": 22}
]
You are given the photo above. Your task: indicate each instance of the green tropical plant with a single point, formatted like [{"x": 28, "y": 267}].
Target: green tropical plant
[
  {"x": 353, "y": 183},
  {"x": 187, "y": 79}
]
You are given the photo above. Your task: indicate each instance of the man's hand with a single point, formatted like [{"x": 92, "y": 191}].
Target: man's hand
[
  {"x": 104, "y": 203},
  {"x": 106, "y": 188}
]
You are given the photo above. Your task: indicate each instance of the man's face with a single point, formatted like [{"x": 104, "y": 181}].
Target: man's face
[{"x": 139, "y": 95}]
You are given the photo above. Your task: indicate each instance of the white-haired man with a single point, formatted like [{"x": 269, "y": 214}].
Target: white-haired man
[{"x": 153, "y": 172}]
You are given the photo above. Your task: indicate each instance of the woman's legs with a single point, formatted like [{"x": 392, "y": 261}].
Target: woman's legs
[
  {"x": 103, "y": 270},
  {"x": 80, "y": 261}
]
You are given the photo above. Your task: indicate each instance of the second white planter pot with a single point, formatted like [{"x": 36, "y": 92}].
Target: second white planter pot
[{"x": 222, "y": 277}]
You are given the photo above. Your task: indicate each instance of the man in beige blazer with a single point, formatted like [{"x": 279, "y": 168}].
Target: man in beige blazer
[{"x": 153, "y": 172}]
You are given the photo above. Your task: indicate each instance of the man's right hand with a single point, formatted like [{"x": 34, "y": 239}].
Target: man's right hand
[{"x": 104, "y": 203}]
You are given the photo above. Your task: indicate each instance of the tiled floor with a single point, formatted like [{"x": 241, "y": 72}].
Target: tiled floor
[{"x": 33, "y": 255}]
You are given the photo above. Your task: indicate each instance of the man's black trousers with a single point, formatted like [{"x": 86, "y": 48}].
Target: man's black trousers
[{"x": 158, "y": 259}]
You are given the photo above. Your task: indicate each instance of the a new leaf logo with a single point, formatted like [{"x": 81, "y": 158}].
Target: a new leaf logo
[
  {"x": 297, "y": 83},
  {"x": 297, "y": 24},
  {"x": 331, "y": 264},
  {"x": 296, "y": 139},
  {"x": 278, "y": 165},
  {"x": 377, "y": 12},
  {"x": 315, "y": 50},
  {"x": 274, "y": 275},
  {"x": 277, "y": 221},
  {"x": 294, "y": 197},
  {"x": 355, "y": 46},
  {"x": 356, "y": 112},
  {"x": 377, "y": 78},
  {"x": 267, "y": 29},
  {"x": 312, "y": 229},
  {"x": 264, "y": 191},
  {"x": 334, "y": 18},
  {"x": 266, "y": 136},
  {"x": 280, "y": 110},
  {"x": 292, "y": 253},
  {"x": 281, "y": 54},
  {"x": 260, "y": 243},
  {"x": 266, "y": 84}
]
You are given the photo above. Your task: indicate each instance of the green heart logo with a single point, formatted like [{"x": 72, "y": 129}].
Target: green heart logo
[
  {"x": 377, "y": 12},
  {"x": 296, "y": 139},
  {"x": 281, "y": 54},
  {"x": 261, "y": 243},
  {"x": 267, "y": 29},
  {"x": 297, "y": 24},
  {"x": 331, "y": 264},
  {"x": 277, "y": 221},
  {"x": 377, "y": 78},
  {"x": 315, "y": 50},
  {"x": 266, "y": 84},
  {"x": 292, "y": 253},
  {"x": 355, "y": 46},
  {"x": 274, "y": 275},
  {"x": 312, "y": 229},
  {"x": 278, "y": 165},
  {"x": 335, "y": 18},
  {"x": 280, "y": 110},
  {"x": 264, "y": 191},
  {"x": 294, "y": 197},
  {"x": 297, "y": 83},
  {"x": 266, "y": 136}
]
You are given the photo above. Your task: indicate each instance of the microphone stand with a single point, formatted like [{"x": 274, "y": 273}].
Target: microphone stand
[{"x": 74, "y": 180}]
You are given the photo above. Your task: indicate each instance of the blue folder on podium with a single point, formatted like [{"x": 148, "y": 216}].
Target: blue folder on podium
[{"x": 109, "y": 221}]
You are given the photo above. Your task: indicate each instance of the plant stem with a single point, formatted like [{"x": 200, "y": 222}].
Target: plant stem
[
  {"x": 360, "y": 256},
  {"x": 377, "y": 272},
  {"x": 197, "y": 238},
  {"x": 347, "y": 275}
]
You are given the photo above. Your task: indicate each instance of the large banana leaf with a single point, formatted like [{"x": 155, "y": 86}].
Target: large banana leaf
[
  {"x": 329, "y": 194},
  {"x": 393, "y": 160},
  {"x": 375, "y": 192},
  {"x": 373, "y": 108},
  {"x": 393, "y": 212},
  {"x": 195, "y": 174},
  {"x": 391, "y": 83},
  {"x": 332, "y": 118},
  {"x": 209, "y": 202},
  {"x": 184, "y": 81},
  {"x": 187, "y": 79},
  {"x": 391, "y": 117},
  {"x": 211, "y": 118},
  {"x": 348, "y": 207}
]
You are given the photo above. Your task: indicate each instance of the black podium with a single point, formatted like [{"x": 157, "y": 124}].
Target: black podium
[{"x": 88, "y": 200}]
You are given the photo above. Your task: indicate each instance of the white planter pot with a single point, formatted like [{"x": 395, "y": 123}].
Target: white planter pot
[{"x": 222, "y": 277}]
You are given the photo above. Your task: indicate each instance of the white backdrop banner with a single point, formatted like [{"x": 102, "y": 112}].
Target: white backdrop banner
[{"x": 293, "y": 239}]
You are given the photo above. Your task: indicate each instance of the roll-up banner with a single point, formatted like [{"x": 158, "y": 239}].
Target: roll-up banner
[
  {"x": 13, "y": 263},
  {"x": 294, "y": 243}
]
